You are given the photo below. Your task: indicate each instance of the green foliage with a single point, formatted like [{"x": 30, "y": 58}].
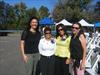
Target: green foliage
[
  {"x": 4, "y": 14},
  {"x": 17, "y": 16},
  {"x": 72, "y": 10},
  {"x": 97, "y": 12},
  {"x": 31, "y": 12},
  {"x": 43, "y": 12}
]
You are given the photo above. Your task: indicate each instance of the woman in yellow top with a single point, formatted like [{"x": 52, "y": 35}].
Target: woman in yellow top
[{"x": 62, "y": 54}]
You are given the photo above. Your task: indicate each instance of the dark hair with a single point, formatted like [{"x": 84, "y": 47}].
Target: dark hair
[
  {"x": 80, "y": 26},
  {"x": 81, "y": 29},
  {"x": 57, "y": 31},
  {"x": 47, "y": 29},
  {"x": 28, "y": 27}
]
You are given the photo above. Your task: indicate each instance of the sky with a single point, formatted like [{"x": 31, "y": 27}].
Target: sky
[
  {"x": 50, "y": 4},
  {"x": 35, "y": 3}
]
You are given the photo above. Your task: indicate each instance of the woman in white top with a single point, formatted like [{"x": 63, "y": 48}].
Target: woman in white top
[{"x": 47, "y": 50}]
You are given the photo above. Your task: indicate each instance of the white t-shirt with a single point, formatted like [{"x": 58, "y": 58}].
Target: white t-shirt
[{"x": 47, "y": 48}]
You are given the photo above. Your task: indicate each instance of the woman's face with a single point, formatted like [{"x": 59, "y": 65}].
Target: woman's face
[
  {"x": 61, "y": 31},
  {"x": 75, "y": 28},
  {"x": 48, "y": 34},
  {"x": 34, "y": 23}
]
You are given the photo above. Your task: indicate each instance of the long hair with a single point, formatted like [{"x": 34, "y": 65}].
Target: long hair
[
  {"x": 29, "y": 26},
  {"x": 62, "y": 26}
]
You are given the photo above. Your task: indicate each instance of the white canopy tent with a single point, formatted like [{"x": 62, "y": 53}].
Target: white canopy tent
[
  {"x": 64, "y": 22},
  {"x": 84, "y": 23}
]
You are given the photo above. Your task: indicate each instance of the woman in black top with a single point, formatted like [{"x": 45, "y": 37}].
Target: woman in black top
[
  {"x": 29, "y": 46},
  {"x": 78, "y": 49}
]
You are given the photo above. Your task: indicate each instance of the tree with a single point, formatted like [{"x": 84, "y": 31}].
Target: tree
[
  {"x": 4, "y": 7},
  {"x": 32, "y": 12},
  {"x": 72, "y": 10},
  {"x": 97, "y": 12},
  {"x": 20, "y": 12},
  {"x": 10, "y": 18},
  {"x": 43, "y": 12}
]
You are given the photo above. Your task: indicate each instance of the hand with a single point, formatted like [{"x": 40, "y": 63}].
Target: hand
[
  {"x": 68, "y": 61},
  {"x": 25, "y": 58},
  {"x": 82, "y": 65}
]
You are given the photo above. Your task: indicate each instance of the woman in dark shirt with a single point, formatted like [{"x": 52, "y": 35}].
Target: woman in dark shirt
[
  {"x": 29, "y": 46},
  {"x": 78, "y": 49}
]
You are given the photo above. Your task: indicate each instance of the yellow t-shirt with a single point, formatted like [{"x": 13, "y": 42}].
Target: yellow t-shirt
[{"x": 62, "y": 47}]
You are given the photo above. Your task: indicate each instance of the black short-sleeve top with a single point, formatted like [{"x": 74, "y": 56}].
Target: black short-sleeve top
[{"x": 31, "y": 41}]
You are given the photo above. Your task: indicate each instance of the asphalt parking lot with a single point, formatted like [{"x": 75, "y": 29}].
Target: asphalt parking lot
[{"x": 10, "y": 57}]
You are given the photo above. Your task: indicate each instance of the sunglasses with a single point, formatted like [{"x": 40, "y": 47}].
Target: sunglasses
[
  {"x": 60, "y": 29},
  {"x": 75, "y": 28},
  {"x": 47, "y": 33}
]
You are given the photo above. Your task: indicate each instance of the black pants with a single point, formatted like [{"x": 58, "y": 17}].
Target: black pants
[
  {"x": 47, "y": 65},
  {"x": 98, "y": 67},
  {"x": 38, "y": 70},
  {"x": 61, "y": 68}
]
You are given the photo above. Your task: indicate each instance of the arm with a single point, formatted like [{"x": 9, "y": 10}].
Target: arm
[
  {"x": 83, "y": 42},
  {"x": 40, "y": 47},
  {"x": 25, "y": 58},
  {"x": 22, "y": 44},
  {"x": 22, "y": 47},
  {"x": 68, "y": 61}
]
